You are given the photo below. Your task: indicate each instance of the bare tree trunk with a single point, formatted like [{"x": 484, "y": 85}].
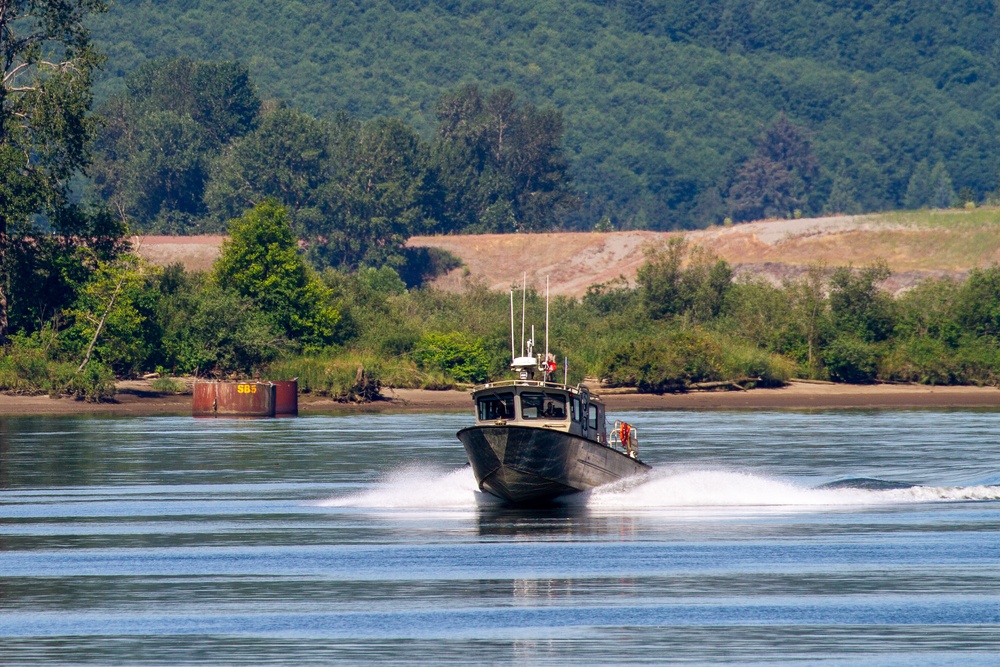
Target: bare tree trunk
[
  {"x": 127, "y": 266},
  {"x": 3, "y": 276},
  {"x": 100, "y": 325},
  {"x": 3, "y": 313}
]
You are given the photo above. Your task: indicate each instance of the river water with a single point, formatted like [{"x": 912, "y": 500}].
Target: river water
[{"x": 362, "y": 538}]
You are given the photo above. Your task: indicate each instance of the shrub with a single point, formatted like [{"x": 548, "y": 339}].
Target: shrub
[
  {"x": 94, "y": 384},
  {"x": 924, "y": 360},
  {"x": 663, "y": 365},
  {"x": 168, "y": 386},
  {"x": 850, "y": 359},
  {"x": 742, "y": 363},
  {"x": 978, "y": 360},
  {"x": 349, "y": 378},
  {"x": 24, "y": 369},
  {"x": 461, "y": 356}
]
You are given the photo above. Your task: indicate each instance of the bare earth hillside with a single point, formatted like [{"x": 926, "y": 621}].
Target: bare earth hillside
[
  {"x": 915, "y": 245},
  {"x": 196, "y": 253}
]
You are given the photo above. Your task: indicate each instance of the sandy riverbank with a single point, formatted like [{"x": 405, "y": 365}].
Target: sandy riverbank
[{"x": 135, "y": 401}]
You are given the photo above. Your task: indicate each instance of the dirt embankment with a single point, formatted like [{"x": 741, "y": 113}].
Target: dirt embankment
[{"x": 916, "y": 246}]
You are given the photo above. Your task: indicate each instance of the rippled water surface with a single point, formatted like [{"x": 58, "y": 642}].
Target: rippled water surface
[{"x": 363, "y": 539}]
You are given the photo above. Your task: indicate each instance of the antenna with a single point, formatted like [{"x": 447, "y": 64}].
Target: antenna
[
  {"x": 524, "y": 291},
  {"x": 512, "y": 355},
  {"x": 546, "y": 319}
]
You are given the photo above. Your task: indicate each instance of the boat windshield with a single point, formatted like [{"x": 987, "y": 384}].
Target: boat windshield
[
  {"x": 496, "y": 406},
  {"x": 542, "y": 406}
]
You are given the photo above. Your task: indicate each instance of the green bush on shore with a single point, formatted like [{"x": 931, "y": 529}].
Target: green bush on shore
[
  {"x": 25, "y": 369},
  {"x": 684, "y": 358}
]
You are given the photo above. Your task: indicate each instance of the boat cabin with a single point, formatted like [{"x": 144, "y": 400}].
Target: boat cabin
[{"x": 541, "y": 404}]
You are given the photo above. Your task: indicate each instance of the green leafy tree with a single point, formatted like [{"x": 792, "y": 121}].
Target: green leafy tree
[
  {"x": 859, "y": 306},
  {"x": 382, "y": 191},
  {"x": 285, "y": 157},
  {"x": 660, "y": 279},
  {"x": 669, "y": 289},
  {"x": 260, "y": 261},
  {"x": 810, "y": 314},
  {"x": 501, "y": 162},
  {"x": 209, "y": 329},
  {"x": 977, "y": 306},
  {"x": 160, "y": 137},
  {"x": 217, "y": 95},
  {"x": 115, "y": 317},
  {"x": 841, "y": 199},
  {"x": 942, "y": 194},
  {"x": 355, "y": 191},
  {"x": 918, "y": 189},
  {"x": 778, "y": 178},
  {"x": 45, "y": 134}
]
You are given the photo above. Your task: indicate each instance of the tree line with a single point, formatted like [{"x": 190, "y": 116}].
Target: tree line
[
  {"x": 664, "y": 102},
  {"x": 190, "y": 145},
  {"x": 314, "y": 281}
]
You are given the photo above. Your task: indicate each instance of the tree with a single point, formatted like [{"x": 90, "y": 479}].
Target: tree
[
  {"x": 942, "y": 194},
  {"x": 778, "y": 178},
  {"x": 218, "y": 96},
  {"x": 260, "y": 261},
  {"x": 381, "y": 192},
  {"x": 354, "y": 191},
  {"x": 763, "y": 189},
  {"x": 810, "y": 310},
  {"x": 918, "y": 189},
  {"x": 698, "y": 291},
  {"x": 114, "y": 316},
  {"x": 159, "y": 138},
  {"x": 285, "y": 157},
  {"x": 501, "y": 162},
  {"x": 978, "y": 303},
  {"x": 660, "y": 279},
  {"x": 842, "y": 196},
  {"x": 208, "y": 328},
  {"x": 858, "y": 305},
  {"x": 45, "y": 134}
]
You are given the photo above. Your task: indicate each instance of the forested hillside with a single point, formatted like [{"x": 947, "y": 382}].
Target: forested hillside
[{"x": 665, "y": 103}]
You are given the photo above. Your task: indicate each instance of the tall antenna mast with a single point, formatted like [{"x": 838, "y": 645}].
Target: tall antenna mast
[
  {"x": 546, "y": 319},
  {"x": 524, "y": 291},
  {"x": 512, "y": 355}
]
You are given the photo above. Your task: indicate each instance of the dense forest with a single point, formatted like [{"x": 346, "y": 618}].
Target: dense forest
[
  {"x": 314, "y": 280},
  {"x": 664, "y": 103}
]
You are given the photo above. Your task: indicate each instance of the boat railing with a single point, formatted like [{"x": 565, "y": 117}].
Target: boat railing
[
  {"x": 527, "y": 383},
  {"x": 625, "y": 438}
]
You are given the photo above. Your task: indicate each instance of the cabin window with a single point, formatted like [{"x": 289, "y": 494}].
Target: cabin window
[
  {"x": 576, "y": 409},
  {"x": 593, "y": 416},
  {"x": 542, "y": 406},
  {"x": 496, "y": 406}
]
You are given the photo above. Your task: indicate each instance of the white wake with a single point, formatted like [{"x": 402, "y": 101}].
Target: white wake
[
  {"x": 427, "y": 488},
  {"x": 715, "y": 488},
  {"x": 418, "y": 488}
]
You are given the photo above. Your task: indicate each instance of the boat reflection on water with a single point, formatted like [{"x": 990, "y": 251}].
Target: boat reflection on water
[{"x": 570, "y": 521}]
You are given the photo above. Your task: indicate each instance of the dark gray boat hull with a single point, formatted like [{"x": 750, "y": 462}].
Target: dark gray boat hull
[{"x": 525, "y": 465}]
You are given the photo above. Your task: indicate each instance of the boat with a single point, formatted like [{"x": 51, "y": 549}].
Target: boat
[{"x": 536, "y": 439}]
